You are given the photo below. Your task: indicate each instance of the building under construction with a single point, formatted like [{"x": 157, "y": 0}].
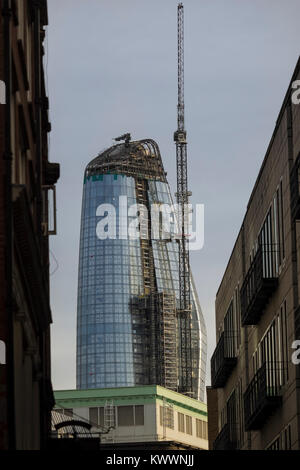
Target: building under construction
[{"x": 128, "y": 318}]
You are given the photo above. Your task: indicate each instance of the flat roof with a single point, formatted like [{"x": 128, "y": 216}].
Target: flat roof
[{"x": 126, "y": 396}]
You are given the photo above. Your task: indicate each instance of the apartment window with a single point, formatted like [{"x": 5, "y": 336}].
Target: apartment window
[
  {"x": 269, "y": 252},
  {"x": 167, "y": 416},
  {"x": 268, "y": 345},
  {"x": 271, "y": 236},
  {"x": 272, "y": 350},
  {"x": 125, "y": 416},
  {"x": 180, "y": 422},
  {"x": 231, "y": 411},
  {"x": 240, "y": 412},
  {"x": 237, "y": 310},
  {"x": 278, "y": 224},
  {"x": 283, "y": 339},
  {"x": 230, "y": 332}
]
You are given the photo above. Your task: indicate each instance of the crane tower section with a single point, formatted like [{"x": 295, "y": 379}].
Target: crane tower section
[{"x": 184, "y": 310}]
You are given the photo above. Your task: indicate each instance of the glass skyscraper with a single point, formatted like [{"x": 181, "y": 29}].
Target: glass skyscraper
[{"x": 127, "y": 328}]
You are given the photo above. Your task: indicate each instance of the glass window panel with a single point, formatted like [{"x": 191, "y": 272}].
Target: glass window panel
[
  {"x": 139, "y": 415},
  {"x": 93, "y": 416},
  {"x": 125, "y": 416}
]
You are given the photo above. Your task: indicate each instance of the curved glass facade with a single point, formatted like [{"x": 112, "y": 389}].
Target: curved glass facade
[
  {"x": 109, "y": 274},
  {"x": 118, "y": 280}
]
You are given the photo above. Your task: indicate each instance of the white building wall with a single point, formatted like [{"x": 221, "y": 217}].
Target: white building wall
[
  {"x": 152, "y": 430},
  {"x": 166, "y": 433}
]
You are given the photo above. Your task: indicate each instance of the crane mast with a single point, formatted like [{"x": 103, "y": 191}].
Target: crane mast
[{"x": 184, "y": 310}]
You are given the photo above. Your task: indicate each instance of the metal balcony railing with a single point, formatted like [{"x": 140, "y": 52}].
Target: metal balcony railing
[
  {"x": 223, "y": 360},
  {"x": 260, "y": 282},
  {"x": 227, "y": 439},
  {"x": 263, "y": 395}
]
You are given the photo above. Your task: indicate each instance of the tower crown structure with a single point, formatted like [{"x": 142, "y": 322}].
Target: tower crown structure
[{"x": 128, "y": 332}]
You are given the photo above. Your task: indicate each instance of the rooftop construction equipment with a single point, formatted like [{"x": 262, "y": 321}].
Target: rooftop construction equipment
[{"x": 184, "y": 311}]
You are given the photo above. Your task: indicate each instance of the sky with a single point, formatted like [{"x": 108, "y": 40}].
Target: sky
[{"x": 111, "y": 67}]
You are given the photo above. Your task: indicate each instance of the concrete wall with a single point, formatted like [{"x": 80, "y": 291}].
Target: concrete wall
[{"x": 152, "y": 430}]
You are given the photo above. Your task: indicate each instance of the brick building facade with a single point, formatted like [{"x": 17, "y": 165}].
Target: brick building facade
[
  {"x": 255, "y": 396},
  {"x": 27, "y": 179}
]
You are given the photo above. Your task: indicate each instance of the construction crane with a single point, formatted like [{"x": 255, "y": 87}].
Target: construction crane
[
  {"x": 182, "y": 195},
  {"x": 126, "y": 137}
]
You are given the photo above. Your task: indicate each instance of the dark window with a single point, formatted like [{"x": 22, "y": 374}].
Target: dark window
[
  {"x": 101, "y": 416},
  {"x": 205, "y": 430},
  {"x": 237, "y": 303},
  {"x": 200, "y": 428},
  {"x": 181, "y": 422},
  {"x": 230, "y": 332},
  {"x": 273, "y": 350},
  {"x": 167, "y": 416},
  {"x": 188, "y": 422},
  {"x": 93, "y": 416},
  {"x": 125, "y": 416},
  {"x": 139, "y": 415},
  {"x": 265, "y": 240},
  {"x": 281, "y": 225},
  {"x": 284, "y": 339}
]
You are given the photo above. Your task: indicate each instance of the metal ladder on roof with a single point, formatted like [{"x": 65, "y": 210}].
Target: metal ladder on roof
[{"x": 109, "y": 421}]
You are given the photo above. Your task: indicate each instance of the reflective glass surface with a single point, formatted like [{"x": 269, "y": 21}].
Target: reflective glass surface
[{"x": 109, "y": 274}]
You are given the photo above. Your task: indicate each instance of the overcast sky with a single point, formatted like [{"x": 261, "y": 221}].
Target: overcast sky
[{"x": 111, "y": 67}]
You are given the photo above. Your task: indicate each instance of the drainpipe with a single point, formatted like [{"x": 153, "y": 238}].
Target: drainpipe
[{"x": 7, "y": 13}]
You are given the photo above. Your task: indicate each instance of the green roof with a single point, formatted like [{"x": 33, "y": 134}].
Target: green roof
[{"x": 97, "y": 397}]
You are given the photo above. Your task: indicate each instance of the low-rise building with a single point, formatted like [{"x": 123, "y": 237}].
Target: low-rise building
[{"x": 142, "y": 417}]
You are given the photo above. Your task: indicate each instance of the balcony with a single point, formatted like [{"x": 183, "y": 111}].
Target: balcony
[
  {"x": 223, "y": 360},
  {"x": 227, "y": 438},
  {"x": 259, "y": 284},
  {"x": 263, "y": 395}
]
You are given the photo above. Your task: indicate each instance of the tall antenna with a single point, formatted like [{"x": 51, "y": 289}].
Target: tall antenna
[{"x": 184, "y": 311}]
